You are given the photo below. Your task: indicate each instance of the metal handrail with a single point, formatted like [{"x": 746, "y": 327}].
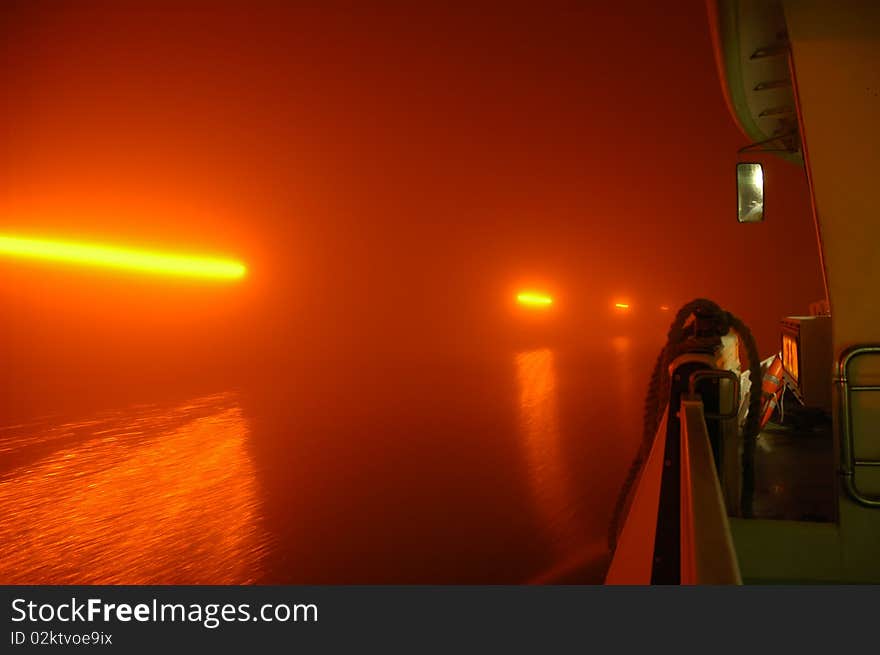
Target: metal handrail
[
  {"x": 716, "y": 374},
  {"x": 707, "y": 552},
  {"x": 847, "y": 445},
  {"x": 676, "y": 530}
]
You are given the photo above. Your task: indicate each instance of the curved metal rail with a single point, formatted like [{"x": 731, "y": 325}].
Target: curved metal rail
[{"x": 849, "y": 463}]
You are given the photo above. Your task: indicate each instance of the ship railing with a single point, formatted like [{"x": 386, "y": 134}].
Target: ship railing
[
  {"x": 677, "y": 529},
  {"x": 707, "y": 552}
]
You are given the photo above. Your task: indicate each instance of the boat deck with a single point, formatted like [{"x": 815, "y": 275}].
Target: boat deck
[{"x": 794, "y": 471}]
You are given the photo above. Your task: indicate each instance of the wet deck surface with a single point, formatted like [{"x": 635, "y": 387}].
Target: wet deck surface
[{"x": 794, "y": 473}]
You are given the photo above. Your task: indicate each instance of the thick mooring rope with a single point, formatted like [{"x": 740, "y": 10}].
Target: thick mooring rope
[{"x": 679, "y": 341}]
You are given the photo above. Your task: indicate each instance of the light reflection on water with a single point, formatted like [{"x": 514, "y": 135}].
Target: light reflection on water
[
  {"x": 539, "y": 424},
  {"x": 575, "y": 475},
  {"x": 499, "y": 471},
  {"x": 142, "y": 496}
]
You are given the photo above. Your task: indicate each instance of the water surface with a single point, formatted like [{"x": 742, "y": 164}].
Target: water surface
[{"x": 502, "y": 469}]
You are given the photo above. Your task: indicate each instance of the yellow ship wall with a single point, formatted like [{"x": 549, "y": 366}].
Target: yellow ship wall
[{"x": 836, "y": 55}]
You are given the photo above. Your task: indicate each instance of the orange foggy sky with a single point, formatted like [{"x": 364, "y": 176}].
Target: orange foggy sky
[{"x": 391, "y": 173}]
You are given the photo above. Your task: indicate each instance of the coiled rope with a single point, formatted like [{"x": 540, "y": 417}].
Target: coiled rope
[{"x": 679, "y": 341}]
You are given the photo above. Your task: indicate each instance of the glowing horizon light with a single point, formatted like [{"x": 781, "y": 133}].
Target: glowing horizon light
[
  {"x": 534, "y": 299},
  {"x": 664, "y": 308},
  {"x": 107, "y": 256},
  {"x": 621, "y": 305}
]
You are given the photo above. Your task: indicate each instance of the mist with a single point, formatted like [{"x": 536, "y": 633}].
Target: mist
[{"x": 390, "y": 174}]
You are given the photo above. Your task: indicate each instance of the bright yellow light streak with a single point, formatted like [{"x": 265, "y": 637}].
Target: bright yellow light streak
[
  {"x": 534, "y": 299},
  {"x": 621, "y": 305},
  {"x": 125, "y": 258}
]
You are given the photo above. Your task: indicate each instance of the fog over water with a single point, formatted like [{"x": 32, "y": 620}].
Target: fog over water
[
  {"x": 500, "y": 470},
  {"x": 370, "y": 403}
]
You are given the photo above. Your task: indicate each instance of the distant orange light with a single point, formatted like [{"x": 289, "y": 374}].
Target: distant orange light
[
  {"x": 534, "y": 299},
  {"x": 664, "y": 308},
  {"x": 143, "y": 261},
  {"x": 621, "y": 305}
]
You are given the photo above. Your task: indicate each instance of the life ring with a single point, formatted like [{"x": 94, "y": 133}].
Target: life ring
[{"x": 772, "y": 386}]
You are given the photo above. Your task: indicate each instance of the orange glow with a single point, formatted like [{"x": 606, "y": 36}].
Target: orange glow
[
  {"x": 150, "y": 496},
  {"x": 664, "y": 308},
  {"x": 621, "y": 305},
  {"x": 543, "y": 444},
  {"x": 534, "y": 299},
  {"x": 790, "y": 355},
  {"x": 125, "y": 258}
]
